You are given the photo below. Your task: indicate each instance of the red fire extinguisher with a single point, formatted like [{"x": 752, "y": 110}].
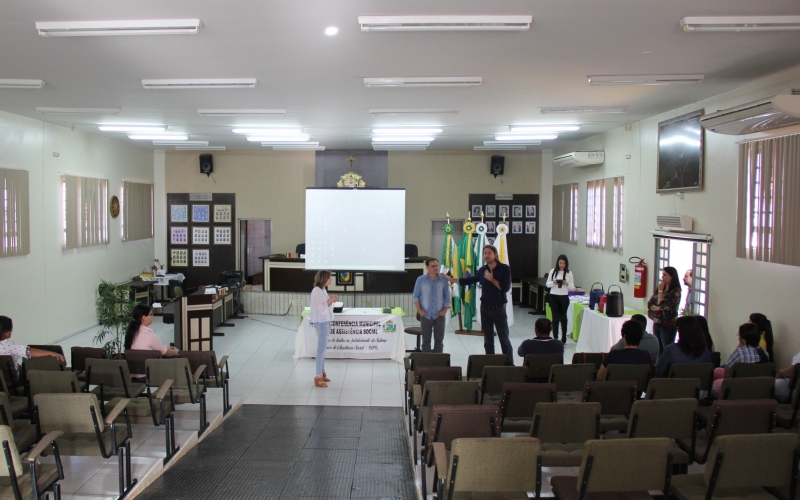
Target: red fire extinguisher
[{"x": 639, "y": 277}]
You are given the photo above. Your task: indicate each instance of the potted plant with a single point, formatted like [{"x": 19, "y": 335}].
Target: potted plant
[{"x": 114, "y": 312}]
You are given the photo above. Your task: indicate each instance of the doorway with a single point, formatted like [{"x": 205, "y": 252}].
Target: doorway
[
  {"x": 255, "y": 241},
  {"x": 684, "y": 255}
]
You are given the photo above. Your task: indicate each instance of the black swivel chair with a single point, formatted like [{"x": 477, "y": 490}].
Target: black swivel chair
[
  {"x": 411, "y": 251},
  {"x": 301, "y": 249}
]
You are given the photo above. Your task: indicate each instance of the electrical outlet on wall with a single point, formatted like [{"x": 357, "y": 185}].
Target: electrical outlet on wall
[{"x": 623, "y": 273}]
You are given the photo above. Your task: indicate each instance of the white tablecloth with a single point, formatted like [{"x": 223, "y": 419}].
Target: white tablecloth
[
  {"x": 164, "y": 280},
  {"x": 356, "y": 333},
  {"x": 599, "y": 332}
]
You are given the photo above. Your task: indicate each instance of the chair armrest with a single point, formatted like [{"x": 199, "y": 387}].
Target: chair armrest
[
  {"x": 440, "y": 458},
  {"x": 162, "y": 391},
  {"x": 112, "y": 417},
  {"x": 43, "y": 443},
  {"x": 407, "y": 363},
  {"x": 409, "y": 380},
  {"x": 198, "y": 373},
  {"x": 223, "y": 362},
  {"x": 417, "y": 400}
]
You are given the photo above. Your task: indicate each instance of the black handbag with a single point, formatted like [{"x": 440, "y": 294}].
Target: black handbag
[{"x": 615, "y": 306}]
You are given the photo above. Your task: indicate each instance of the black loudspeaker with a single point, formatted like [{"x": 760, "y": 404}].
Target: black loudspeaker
[
  {"x": 207, "y": 164},
  {"x": 497, "y": 167}
]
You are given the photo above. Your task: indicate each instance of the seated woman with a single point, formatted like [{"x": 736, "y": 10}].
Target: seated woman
[
  {"x": 765, "y": 327},
  {"x": 139, "y": 336},
  {"x": 690, "y": 348},
  {"x": 783, "y": 378},
  {"x": 10, "y": 348},
  {"x": 747, "y": 352},
  {"x": 706, "y": 333}
]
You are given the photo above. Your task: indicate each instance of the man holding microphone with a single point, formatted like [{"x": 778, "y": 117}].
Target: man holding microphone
[{"x": 432, "y": 300}]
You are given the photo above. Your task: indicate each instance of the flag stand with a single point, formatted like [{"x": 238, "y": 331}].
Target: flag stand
[{"x": 461, "y": 330}]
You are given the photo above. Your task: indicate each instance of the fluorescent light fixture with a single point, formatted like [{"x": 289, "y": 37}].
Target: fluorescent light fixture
[
  {"x": 138, "y": 137},
  {"x": 16, "y": 83},
  {"x": 499, "y": 148},
  {"x": 378, "y": 147},
  {"x": 535, "y": 129},
  {"x": 298, "y": 148},
  {"x": 401, "y": 144},
  {"x": 423, "y": 81},
  {"x": 412, "y": 111},
  {"x": 122, "y": 128},
  {"x": 445, "y": 23},
  {"x": 76, "y": 111},
  {"x": 404, "y": 138},
  {"x": 599, "y": 80},
  {"x": 122, "y": 27},
  {"x": 519, "y": 137},
  {"x": 179, "y": 143},
  {"x": 331, "y": 30},
  {"x": 406, "y": 131},
  {"x": 200, "y": 148},
  {"x": 241, "y": 112},
  {"x": 279, "y": 138},
  {"x": 289, "y": 144},
  {"x": 201, "y": 83},
  {"x": 741, "y": 23},
  {"x": 268, "y": 131},
  {"x": 552, "y": 110},
  {"x": 508, "y": 143}
]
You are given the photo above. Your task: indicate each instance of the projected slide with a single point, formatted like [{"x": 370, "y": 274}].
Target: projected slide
[{"x": 355, "y": 229}]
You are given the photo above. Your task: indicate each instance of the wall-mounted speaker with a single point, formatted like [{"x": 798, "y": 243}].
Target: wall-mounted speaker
[
  {"x": 497, "y": 166},
  {"x": 206, "y": 164}
]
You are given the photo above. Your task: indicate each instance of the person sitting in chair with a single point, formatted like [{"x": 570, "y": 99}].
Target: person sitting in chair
[
  {"x": 542, "y": 343},
  {"x": 631, "y": 354}
]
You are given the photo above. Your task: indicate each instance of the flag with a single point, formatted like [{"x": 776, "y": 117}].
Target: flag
[
  {"x": 502, "y": 249},
  {"x": 466, "y": 262},
  {"x": 446, "y": 262},
  {"x": 480, "y": 242},
  {"x": 455, "y": 288}
]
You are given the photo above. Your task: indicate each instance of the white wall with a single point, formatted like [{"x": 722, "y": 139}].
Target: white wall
[
  {"x": 50, "y": 292},
  {"x": 738, "y": 287}
]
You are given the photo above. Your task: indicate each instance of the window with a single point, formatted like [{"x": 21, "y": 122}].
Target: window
[
  {"x": 604, "y": 213},
  {"x": 768, "y": 211},
  {"x": 565, "y": 213},
  {"x": 137, "y": 211},
  {"x": 85, "y": 211},
  {"x": 14, "y": 217},
  {"x": 684, "y": 253}
]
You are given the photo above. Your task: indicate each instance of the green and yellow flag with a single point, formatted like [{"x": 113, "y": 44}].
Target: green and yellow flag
[{"x": 466, "y": 265}]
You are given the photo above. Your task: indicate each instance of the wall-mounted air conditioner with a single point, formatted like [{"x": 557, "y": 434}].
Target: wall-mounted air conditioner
[
  {"x": 674, "y": 222},
  {"x": 580, "y": 159},
  {"x": 757, "y": 116}
]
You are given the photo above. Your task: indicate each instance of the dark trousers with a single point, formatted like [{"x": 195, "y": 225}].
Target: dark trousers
[
  {"x": 558, "y": 306},
  {"x": 665, "y": 335},
  {"x": 436, "y": 326},
  {"x": 494, "y": 317}
]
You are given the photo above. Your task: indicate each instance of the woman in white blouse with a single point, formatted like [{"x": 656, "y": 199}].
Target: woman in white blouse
[
  {"x": 321, "y": 317},
  {"x": 10, "y": 348},
  {"x": 560, "y": 282}
]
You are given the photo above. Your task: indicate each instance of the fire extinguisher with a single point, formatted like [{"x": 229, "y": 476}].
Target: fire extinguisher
[{"x": 639, "y": 277}]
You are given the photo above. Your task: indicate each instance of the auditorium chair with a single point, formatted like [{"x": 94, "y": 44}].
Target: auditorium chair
[
  {"x": 702, "y": 371},
  {"x": 422, "y": 374},
  {"x": 25, "y": 433},
  {"x": 741, "y": 466},
  {"x": 217, "y": 374},
  {"x": 518, "y": 402},
  {"x": 638, "y": 373},
  {"x": 673, "y": 388},
  {"x": 495, "y": 376},
  {"x": 628, "y": 468},
  {"x": 79, "y": 355},
  {"x": 24, "y": 478},
  {"x": 476, "y": 363},
  {"x": 419, "y": 359},
  {"x": 596, "y": 358},
  {"x": 187, "y": 387},
  {"x": 500, "y": 468},
  {"x": 87, "y": 432},
  {"x": 44, "y": 363},
  {"x": 788, "y": 409},
  {"x": 616, "y": 399},
  {"x": 441, "y": 392},
  {"x": 8, "y": 369},
  {"x": 570, "y": 380},
  {"x": 741, "y": 389},
  {"x": 18, "y": 404},
  {"x": 112, "y": 378},
  {"x": 563, "y": 428},
  {"x": 741, "y": 370},
  {"x": 49, "y": 382},
  {"x": 137, "y": 358},
  {"x": 539, "y": 365}
]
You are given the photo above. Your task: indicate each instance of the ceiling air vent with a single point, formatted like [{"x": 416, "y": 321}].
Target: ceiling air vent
[{"x": 674, "y": 222}]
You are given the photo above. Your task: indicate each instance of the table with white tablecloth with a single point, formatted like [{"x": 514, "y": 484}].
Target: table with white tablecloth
[
  {"x": 599, "y": 332},
  {"x": 356, "y": 333}
]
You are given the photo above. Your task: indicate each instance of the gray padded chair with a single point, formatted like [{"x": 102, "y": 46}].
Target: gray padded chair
[
  {"x": 187, "y": 388},
  {"x": 563, "y": 428},
  {"x": 19, "y": 484}
]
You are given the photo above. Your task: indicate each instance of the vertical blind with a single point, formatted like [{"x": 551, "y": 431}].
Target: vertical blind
[
  {"x": 565, "y": 213},
  {"x": 137, "y": 211},
  {"x": 768, "y": 209},
  {"x": 14, "y": 216},
  {"x": 605, "y": 213},
  {"x": 85, "y": 215}
]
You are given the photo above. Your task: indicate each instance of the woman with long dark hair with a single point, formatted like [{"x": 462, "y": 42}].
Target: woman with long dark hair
[
  {"x": 560, "y": 282},
  {"x": 321, "y": 317},
  {"x": 765, "y": 327},
  {"x": 690, "y": 348},
  {"x": 140, "y": 336},
  {"x": 10, "y": 348},
  {"x": 663, "y": 306}
]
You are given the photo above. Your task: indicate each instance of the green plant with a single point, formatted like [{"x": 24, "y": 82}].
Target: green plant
[{"x": 114, "y": 312}]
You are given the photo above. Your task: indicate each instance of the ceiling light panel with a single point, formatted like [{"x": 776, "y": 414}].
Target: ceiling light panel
[
  {"x": 201, "y": 83},
  {"x": 406, "y": 131},
  {"x": 377, "y": 147},
  {"x": 552, "y": 110},
  {"x": 180, "y": 143},
  {"x": 123, "y": 128},
  {"x": 516, "y": 143},
  {"x": 279, "y": 138},
  {"x": 151, "y": 137},
  {"x": 298, "y": 148},
  {"x": 200, "y": 148},
  {"x": 500, "y": 148},
  {"x": 535, "y": 129},
  {"x": 77, "y": 111},
  {"x": 413, "y": 111},
  {"x": 600, "y": 80},
  {"x": 424, "y": 81},
  {"x": 445, "y": 23},
  {"x": 520, "y": 137},
  {"x": 403, "y": 138},
  {"x": 16, "y": 83},
  {"x": 268, "y": 131},
  {"x": 121, "y": 27},
  {"x": 289, "y": 144},
  {"x": 741, "y": 23},
  {"x": 241, "y": 112}
]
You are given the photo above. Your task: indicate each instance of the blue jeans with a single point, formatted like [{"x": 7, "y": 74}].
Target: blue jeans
[
  {"x": 665, "y": 335},
  {"x": 323, "y": 329},
  {"x": 495, "y": 317}
]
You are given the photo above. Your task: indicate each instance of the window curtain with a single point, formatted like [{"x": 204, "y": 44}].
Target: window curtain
[
  {"x": 137, "y": 211},
  {"x": 604, "y": 213},
  {"x": 85, "y": 214},
  {"x": 565, "y": 213},
  {"x": 768, "y": 209},
  {"x": 14, "y": 213}
]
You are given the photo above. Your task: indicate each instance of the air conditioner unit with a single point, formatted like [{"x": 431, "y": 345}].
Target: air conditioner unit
[
  {"x": 757, "y": 116},
  {"x": 674, "y": 222},
  {"x": 580, "y": 159}
]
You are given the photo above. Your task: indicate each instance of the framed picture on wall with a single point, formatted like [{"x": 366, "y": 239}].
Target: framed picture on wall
[
  {"x": 179, "y": 257},
  {"x": 503, "y": 211},
  {"x": 180, "y": 236},
  {"x": 516, "y": 227},
  {"x": 476, "y": 212},
  {"x": 530, "y": 211},
  {"x": 200, "y": 258},
  {"x": 222, "y": 213},
  {"x": 222, "y": 235},
  {"x": 530, "y": 228},
  {"x": 199, "y": 213},
  {"x": 491, "y": 211},
  {"x": 680, "y": 154},
  {"x": 516, "y": 211},
  {"x": 345, "y": 278},
  {"x": 200, "y": 235},
  {"x": 491, "y": 227},
  {"x": 180, "y": 213}
]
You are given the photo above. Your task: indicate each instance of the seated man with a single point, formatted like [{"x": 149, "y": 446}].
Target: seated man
[
  {"x": 631, "y": 354},
  {"x": 783, "y": 377},
  {"x": 542, "y": 343},
  {"x": 649, "y": 341}
]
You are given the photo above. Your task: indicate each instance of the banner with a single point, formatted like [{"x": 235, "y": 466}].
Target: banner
[{"x": 358, "y": 336}]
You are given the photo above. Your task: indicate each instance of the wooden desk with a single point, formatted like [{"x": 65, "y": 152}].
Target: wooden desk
[
  {"x": 196, "y": 316},
  {"x": 140, "y": 291}
]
